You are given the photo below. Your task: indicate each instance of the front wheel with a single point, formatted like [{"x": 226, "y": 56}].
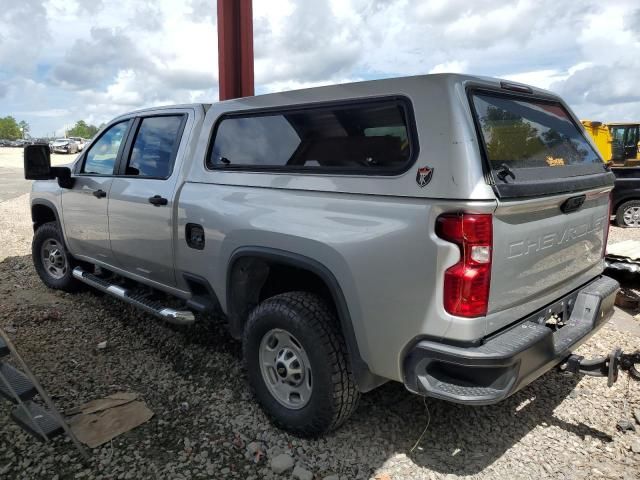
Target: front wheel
[
  {"x": 297, "y": 364},
  {"x": 52, "y": 262},
  {"x": 628, "y": 214}
]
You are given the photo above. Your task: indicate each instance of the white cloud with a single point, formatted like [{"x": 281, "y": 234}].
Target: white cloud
[
  {"x": 454, "y": 66},
  {"x": 62, "y": 60},
  {"x": 537, "y": 78},
  {"x": 54, "y": 112},
  {"x": 603, "y": 85},
  {"x": 24, "y": 34},
  {"x": 285, "y": 85}
]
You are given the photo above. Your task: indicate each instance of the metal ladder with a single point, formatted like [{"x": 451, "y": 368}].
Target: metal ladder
[{"x": 20, "y": 387}]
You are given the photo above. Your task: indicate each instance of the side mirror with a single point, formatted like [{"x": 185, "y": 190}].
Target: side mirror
[
  {"x": 37, "y": 162},
  {"x": 37, "y": 166}
]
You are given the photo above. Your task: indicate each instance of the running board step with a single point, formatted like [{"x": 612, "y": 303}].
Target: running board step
[
  {"x": 178, "y": 317},
  {"x": 37, "y": 422},
  {"x": 18, "y": 382}
]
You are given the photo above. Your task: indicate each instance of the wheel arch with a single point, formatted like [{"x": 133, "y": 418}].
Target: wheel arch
[
  {"x": 619, "y": 212},
  {"x": 43, "y": 211},
  {"x": 629, "y": 197},
  {"x": 247, "y": 274}
]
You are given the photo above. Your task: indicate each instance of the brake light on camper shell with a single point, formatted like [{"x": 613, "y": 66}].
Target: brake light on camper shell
[{"x": 466, "y": 284}]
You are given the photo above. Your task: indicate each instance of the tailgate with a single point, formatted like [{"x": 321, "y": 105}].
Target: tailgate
[
  {"x": 553, "y": 201},
  {"x": 539, "y": 250}
]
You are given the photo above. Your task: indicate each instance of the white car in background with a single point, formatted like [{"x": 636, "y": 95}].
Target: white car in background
[
  {"x": 81, "y": 142},
  {"x": 64, "y": 145}
]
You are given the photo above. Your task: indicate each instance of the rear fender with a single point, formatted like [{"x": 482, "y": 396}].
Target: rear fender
[{"x": 365, "y": 380}]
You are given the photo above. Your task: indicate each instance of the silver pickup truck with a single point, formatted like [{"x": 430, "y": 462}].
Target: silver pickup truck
[{"x": 444, "y": 231}]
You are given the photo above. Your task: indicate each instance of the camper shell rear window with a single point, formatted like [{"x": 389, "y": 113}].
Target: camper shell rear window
[{"x": 527, "y": 140}]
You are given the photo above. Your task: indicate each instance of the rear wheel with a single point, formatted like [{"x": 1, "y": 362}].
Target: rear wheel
[
  {"x": 297, "y": 364},
  {"x": 52, "y": 262},
  {"x": 628, "y": 214}
]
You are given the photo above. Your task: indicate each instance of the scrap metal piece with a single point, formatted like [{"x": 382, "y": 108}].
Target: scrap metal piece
[
  {"x": 608, "y": 366},
  {"x": 627, "y": 250},
  {"x": 614, "y": 363}
]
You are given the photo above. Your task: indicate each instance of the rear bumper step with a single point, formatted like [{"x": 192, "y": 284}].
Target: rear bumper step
[
  {"x": 510, "y": 360},
  {"x": 178, "y": 317}
]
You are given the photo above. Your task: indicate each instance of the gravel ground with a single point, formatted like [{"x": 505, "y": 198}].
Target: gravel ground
[
  {"x": 12, "y": 182},
  {"x": 14, "y": 158},
  {"x": 617, "y": 234},
  {"x": 207, "y": 426}
]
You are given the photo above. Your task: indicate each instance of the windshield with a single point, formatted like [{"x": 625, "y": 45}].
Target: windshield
[{"x": 528, "y": 133}]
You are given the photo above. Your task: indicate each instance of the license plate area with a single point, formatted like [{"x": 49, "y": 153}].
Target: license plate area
[{"x": 556, "y": 315}]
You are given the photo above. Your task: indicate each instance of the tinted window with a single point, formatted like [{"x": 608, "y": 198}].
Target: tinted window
[
  {"x": 101, "y": 158},
  {"x": 632, "y": 137},
  {"x": 528, "y": 133},
  {"x": 154, "y": 147},
  {"x": 370, "y": 137}
]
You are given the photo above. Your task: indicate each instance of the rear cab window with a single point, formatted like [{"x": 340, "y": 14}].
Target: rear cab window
[
  {"x": 533, "y": 143},
  {"x": 372, "y": 137}
]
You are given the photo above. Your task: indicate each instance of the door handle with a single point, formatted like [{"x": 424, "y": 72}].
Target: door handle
[
  {"x": 157, "y": 200},
  {"x": 99, "y": 193}
]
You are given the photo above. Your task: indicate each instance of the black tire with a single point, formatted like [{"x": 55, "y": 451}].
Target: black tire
[
  {"x": 620, "y": 221},
  {"x": 334, "y": 396},
  {"x": 49, "y": 232}
]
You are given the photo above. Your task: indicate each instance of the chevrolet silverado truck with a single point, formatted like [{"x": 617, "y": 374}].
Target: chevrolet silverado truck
[{"x": 443, "y": 231}]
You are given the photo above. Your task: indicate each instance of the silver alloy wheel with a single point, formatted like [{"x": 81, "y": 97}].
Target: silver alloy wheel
[
  {"x": 631, "y": 217},
  {"x": 53, "y": 258},
  {"x": 285, "y": 368}
]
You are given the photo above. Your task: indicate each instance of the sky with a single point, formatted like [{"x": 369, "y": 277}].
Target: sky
[{"x": 66, "y": 60}]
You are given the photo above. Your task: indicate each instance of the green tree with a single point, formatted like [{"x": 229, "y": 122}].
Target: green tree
[
  {"x": 24, "y": 126},
  {"x": 509, "y": 137},
  {"x": 82, "y": 129},
  {"x": 9, "y": 128}
]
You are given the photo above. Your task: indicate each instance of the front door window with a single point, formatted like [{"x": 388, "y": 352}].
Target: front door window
[{"x": 101, "y": 158}]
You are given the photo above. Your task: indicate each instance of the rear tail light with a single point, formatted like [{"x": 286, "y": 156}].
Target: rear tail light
[{"x": 466, "y": 284}]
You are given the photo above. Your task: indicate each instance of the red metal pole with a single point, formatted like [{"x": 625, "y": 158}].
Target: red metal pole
[{"x": 235, "y": 48}]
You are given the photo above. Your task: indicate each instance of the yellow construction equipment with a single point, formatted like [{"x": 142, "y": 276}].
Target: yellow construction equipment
[{"x": 618, "y": 142}]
